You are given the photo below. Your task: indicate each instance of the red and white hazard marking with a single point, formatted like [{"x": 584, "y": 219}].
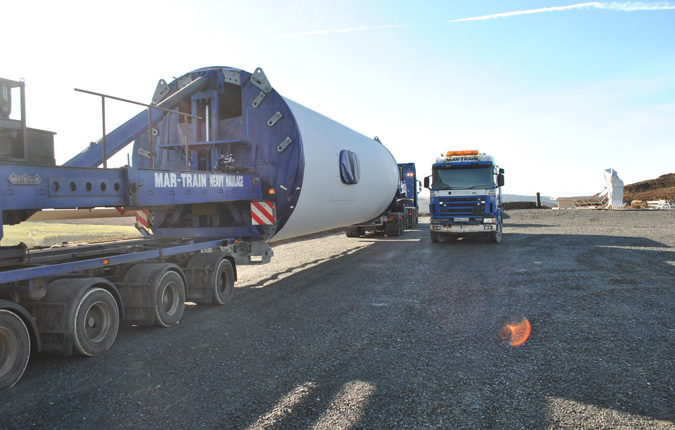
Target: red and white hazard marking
[
  {"x": 262, "y": 213},
  {"x": 142, "y": 218}
]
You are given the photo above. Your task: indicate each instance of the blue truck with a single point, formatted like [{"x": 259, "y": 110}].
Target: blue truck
[
  {"x": 221, "y": 164},
  {"x": 465, "y": 196},
  {"x": 402, "y": 213}
]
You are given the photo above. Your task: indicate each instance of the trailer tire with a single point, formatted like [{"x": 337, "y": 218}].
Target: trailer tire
[
  {"x": 170, "y": 299},
  {"x": 14, "y": 348},
  {"x": 223, "y": 283},
  {"x": 352, "y": 232},
  {"x": 212, "y": 278},
  {"x": 97, "y": 320},
  {"x": 394, "y": 229}
]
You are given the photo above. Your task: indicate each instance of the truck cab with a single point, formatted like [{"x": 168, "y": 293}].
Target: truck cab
[
  {"x": 409, "y": 191},
  {"x": 465, "y": 196},
  {"x": 402, "y": 213}
]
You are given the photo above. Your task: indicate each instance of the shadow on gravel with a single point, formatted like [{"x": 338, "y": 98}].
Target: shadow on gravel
[
  {"x": 602, "y": 344},
  {"x": 424, "y": 347},
  {"x": 396, "y": 334}
]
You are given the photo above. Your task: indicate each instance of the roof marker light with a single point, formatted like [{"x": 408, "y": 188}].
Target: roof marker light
[{"x": 458, "y": 153}]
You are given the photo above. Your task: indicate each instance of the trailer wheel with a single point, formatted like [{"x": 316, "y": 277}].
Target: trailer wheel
[
  {"x": 96, "y": 322},
  {"x": 14, "y": 348},
  {"x": 170, "y": 299},
  {"x": 352, "y": 232},
  {"x": 212, "y": 279},
  {"x": 394, "y": 229},
  {"x": 223, "y": 283}
]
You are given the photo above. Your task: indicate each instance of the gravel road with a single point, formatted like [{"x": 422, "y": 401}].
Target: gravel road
[{"x": 400, "y": 333}]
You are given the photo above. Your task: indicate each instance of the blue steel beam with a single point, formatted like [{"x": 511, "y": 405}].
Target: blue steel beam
[{"x": 58, "y": 187}]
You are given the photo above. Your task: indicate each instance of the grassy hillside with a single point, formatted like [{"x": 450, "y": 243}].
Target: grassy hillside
[
  {"x": 661, "y": 188},
  {"x": 52, "y": 233}
]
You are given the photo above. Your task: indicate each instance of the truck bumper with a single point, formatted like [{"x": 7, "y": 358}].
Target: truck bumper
[{"x": 463, "y": 228}]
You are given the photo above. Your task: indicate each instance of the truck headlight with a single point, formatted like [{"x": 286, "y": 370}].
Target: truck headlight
[{"x": 490, "y": 221}]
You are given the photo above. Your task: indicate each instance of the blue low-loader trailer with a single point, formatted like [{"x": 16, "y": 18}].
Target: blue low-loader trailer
[
  {"x": 402, "y": 213},
  {"x": 220, "y": 164},
  {"x": 465, "y": 196}
]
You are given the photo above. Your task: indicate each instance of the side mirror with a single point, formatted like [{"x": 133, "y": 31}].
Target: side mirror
[
  {"x": 426, "y": 182},
  {"x": 419, "y": 186},
  {"x": 501, "y": 171},
  {"x": 500, "y": 180}
]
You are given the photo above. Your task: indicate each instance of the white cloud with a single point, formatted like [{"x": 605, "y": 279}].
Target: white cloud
[
  {"x": 341, "y": 30},
  {"x": 624, "y": 7}
]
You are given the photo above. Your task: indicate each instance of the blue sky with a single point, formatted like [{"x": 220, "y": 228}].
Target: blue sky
[{"x": 557, "y": 91}]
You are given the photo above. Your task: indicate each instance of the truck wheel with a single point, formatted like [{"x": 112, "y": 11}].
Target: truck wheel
[
  {"x": 435, "y": 237},
  {"x": 496, "y": 237},
  {"x": 14, "y": 348},
  {"x": 96, "y": 322},
  {"x": 223, "y": 283},
  {"x": 170, "y": 299}
]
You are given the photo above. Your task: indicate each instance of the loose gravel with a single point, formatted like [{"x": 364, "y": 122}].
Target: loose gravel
[{"x": 376, "y": 332}]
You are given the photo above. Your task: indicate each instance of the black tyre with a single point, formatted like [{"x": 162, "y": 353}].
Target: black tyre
[
  {"x": 14, "y": 348},
  {"x": 170, "y": 299},
  {"x": 394, "y": 229},
  {"x": 435, "y": 237},
  {"x": 97, "y": 320},
  {"x": 223, "y": 283},
  {"x": 352, "y": 232},
  {"x": 496, "y": 237}
]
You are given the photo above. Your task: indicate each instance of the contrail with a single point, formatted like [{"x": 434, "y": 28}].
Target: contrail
[
  {"x": 341, "y": 30},
  {"x": 624, "y": 7}
]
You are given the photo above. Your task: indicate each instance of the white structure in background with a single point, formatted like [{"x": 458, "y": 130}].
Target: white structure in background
[
  {"x": 613, "y": 190},
  {"x": 609, "y": 198}
]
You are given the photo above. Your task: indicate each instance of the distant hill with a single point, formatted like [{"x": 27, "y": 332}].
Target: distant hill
[{"x": 661, "y": 188}]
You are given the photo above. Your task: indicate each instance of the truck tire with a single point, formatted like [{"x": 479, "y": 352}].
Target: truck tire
[
  {"x": 435, "y": 237},
  {"x": 496, "y": 237},
  {"x": 170, "y": 299},
  {"x": 223, "y": 283},
  {"x": 14, "y": 348},
  {"x": 97, "y": 320}
]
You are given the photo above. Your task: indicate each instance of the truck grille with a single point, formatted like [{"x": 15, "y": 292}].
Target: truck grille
[{"x": 464, "y": 206}]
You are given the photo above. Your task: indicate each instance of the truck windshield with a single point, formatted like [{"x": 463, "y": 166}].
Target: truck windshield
[{"x": 448, "y": 179}]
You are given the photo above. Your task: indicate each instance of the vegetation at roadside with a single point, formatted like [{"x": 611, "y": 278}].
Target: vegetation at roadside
[
  {"x": 47, "y": 234},
  {"x": 661, "y": 188}
]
